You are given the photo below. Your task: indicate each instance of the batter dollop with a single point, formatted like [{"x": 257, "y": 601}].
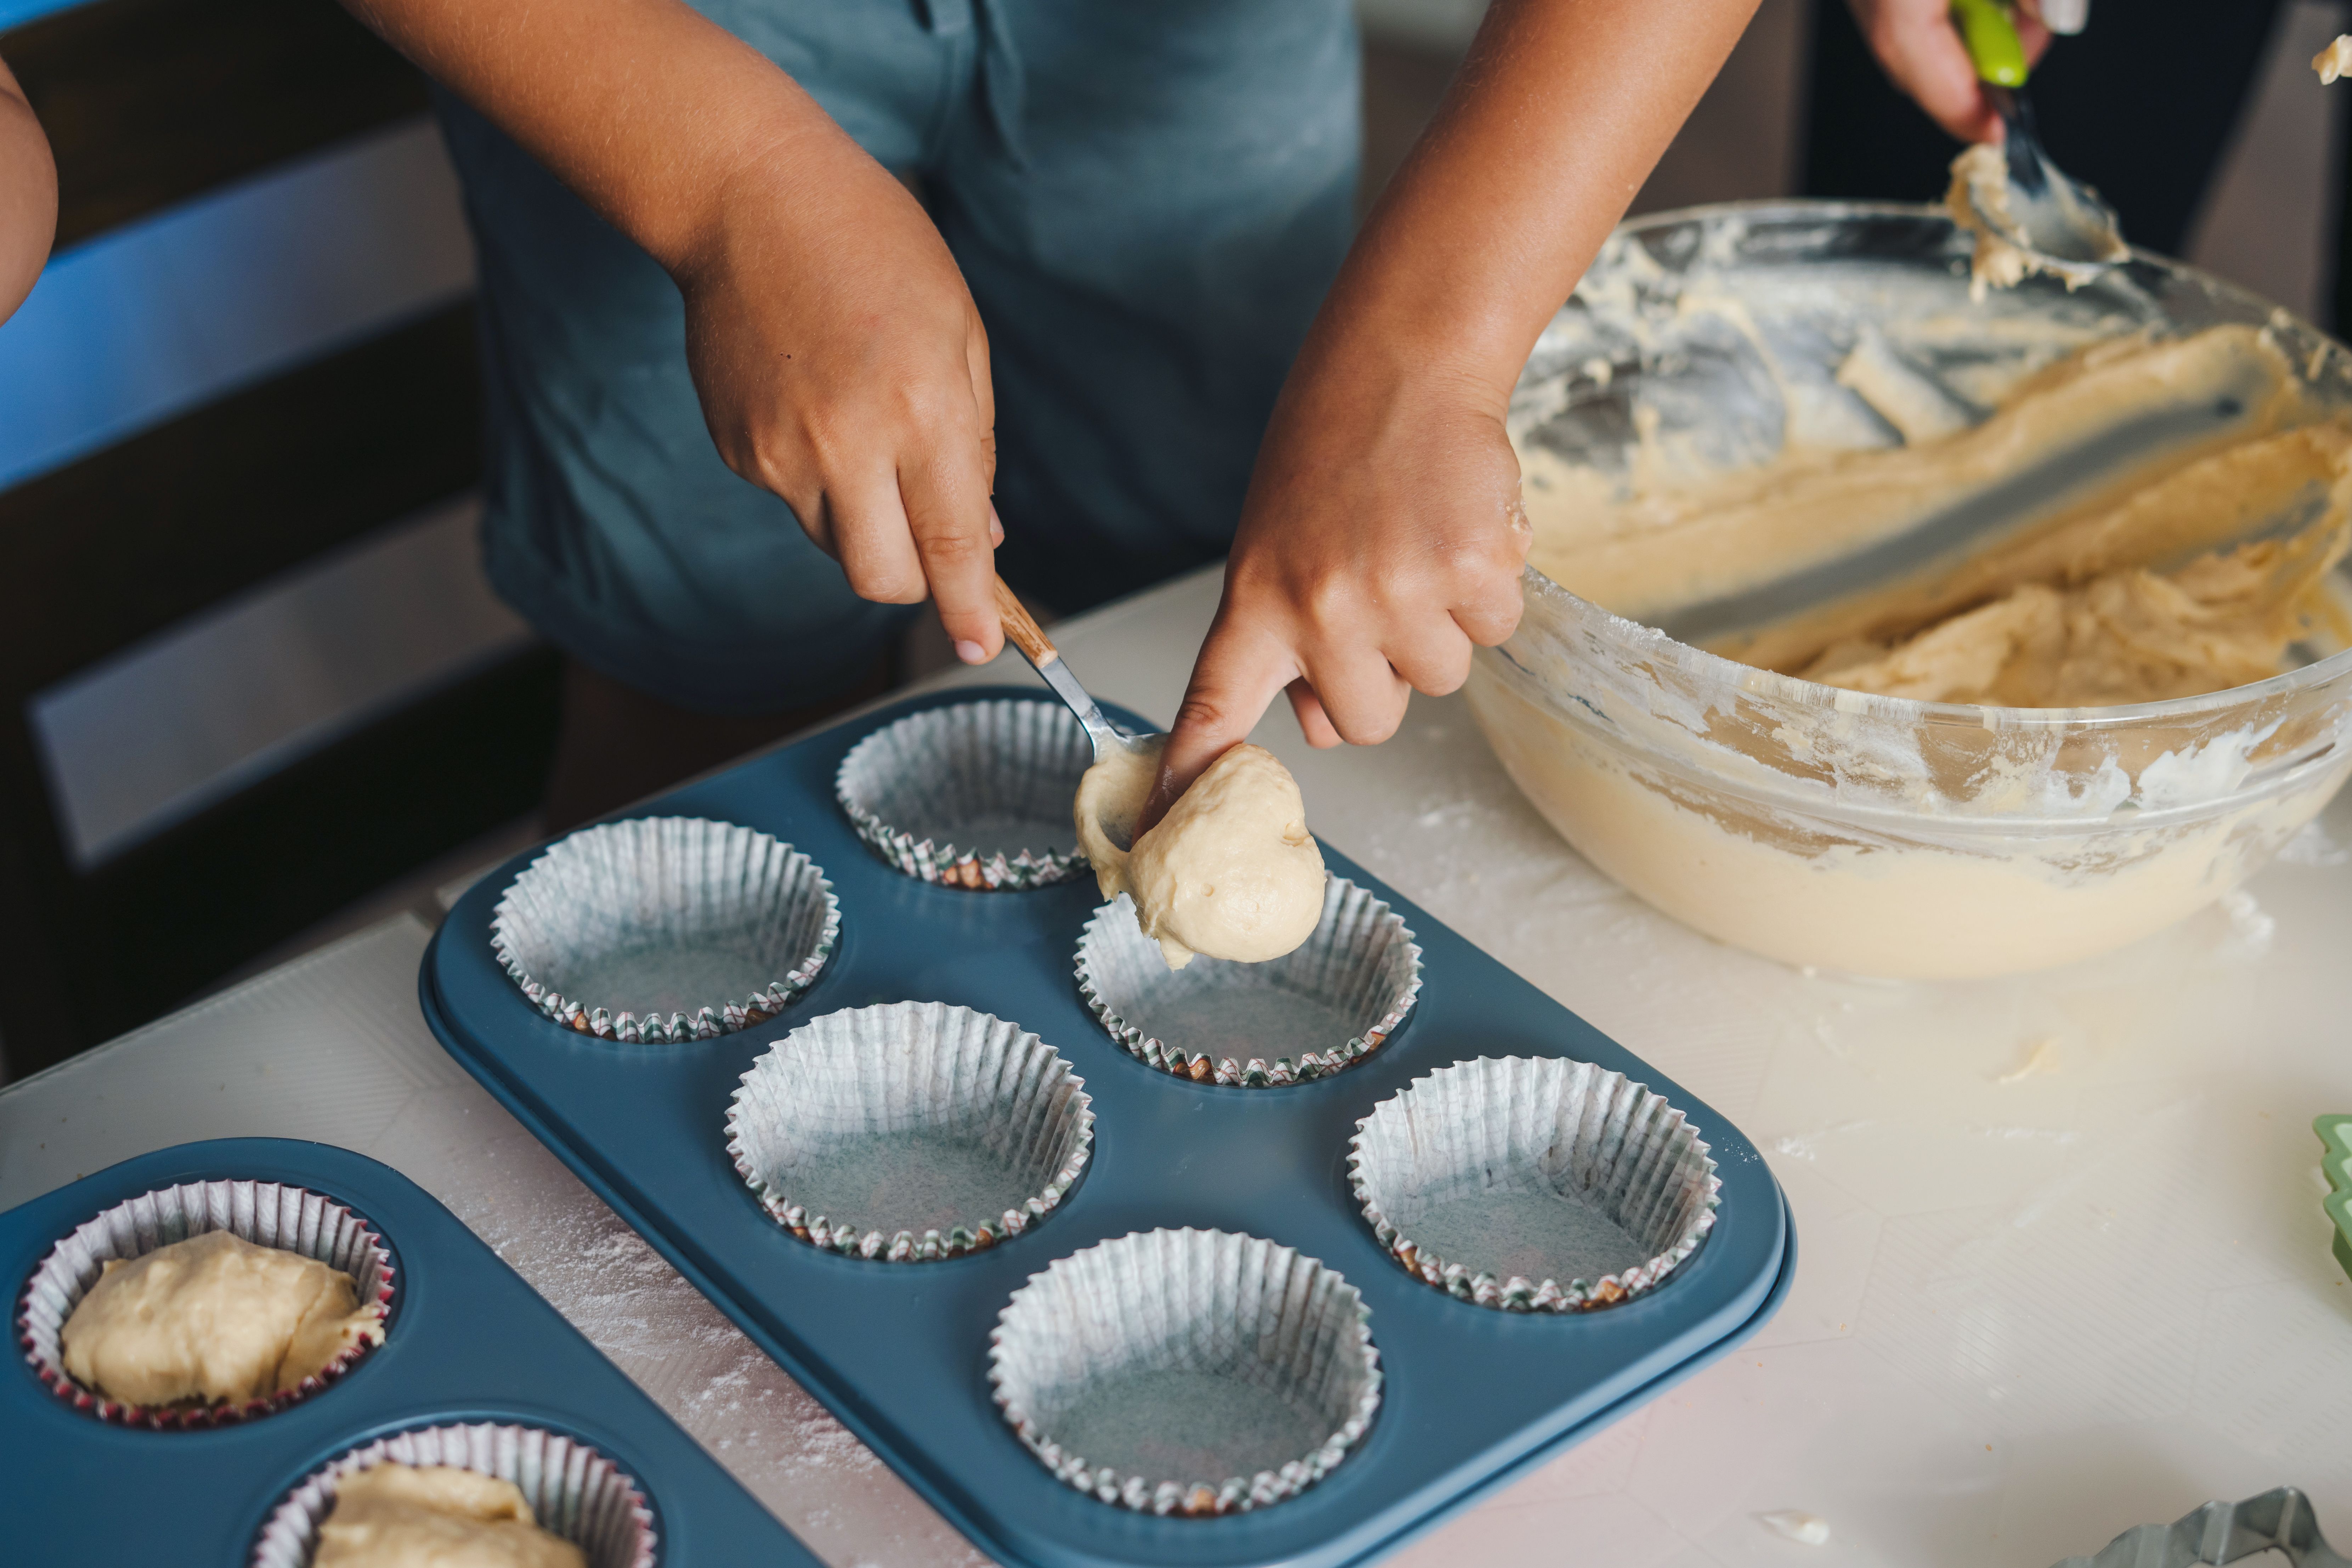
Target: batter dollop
[
  {"x": 213, "y": 1319},
  {"x": 436, "y": 1515},
  {"x": 1231, "y": 871}
]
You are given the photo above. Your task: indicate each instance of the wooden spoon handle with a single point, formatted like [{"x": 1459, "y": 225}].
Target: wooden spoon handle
[{"x": 1022, "y": 627}]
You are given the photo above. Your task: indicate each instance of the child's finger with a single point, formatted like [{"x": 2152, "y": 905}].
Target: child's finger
[
  {"x": 949, "y": 514},
  {"x": 1234, "y": 678},
  {"x": 1915, "y": 42},
  {"x": 983, "y": 396},
  {"x": 1361, "y": 692},
  {"x": 1490, "y": 617},
  {"x": 867, "y": 527},
  {"x": 1313, "y": 722},
  {"x": 1431, "y": 655}
]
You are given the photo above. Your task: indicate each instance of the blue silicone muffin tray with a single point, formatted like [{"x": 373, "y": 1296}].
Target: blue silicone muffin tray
[
  {"x": 898, "y": 1351},
  {"x": 467, "y": 1340}
]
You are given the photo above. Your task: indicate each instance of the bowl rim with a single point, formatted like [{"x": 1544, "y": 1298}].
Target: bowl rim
[{"x": 1719, "y": 670}]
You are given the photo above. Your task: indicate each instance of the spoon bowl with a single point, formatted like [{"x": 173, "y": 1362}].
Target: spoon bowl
[{"x": 2064, "y": 224}]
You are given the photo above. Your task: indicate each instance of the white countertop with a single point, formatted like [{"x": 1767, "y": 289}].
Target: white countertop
[{"x": 2029, "y": 1310}]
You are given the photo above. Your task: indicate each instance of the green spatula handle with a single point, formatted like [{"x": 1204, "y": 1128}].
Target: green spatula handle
[{"x": 1991, "y": 39}]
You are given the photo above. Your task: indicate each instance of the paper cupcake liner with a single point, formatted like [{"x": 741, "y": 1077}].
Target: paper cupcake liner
[
  {"x": 263, "y": 1213},
  {"x": 1500, "y": 1135},
  {"x": 730, "y": 922},
  {"x": 910, "y": 1132},
  {"x": 574, "y": 1490},
  {"x": 1208, "y": 1373},
  {"x": 975, "y": 795},
  {"x": 1293, "y": 1019}
]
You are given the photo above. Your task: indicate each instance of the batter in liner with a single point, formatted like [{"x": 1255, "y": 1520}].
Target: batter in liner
[
  {"x": 437, "y": 1516},
  {"x": 213, "y": 1319}
]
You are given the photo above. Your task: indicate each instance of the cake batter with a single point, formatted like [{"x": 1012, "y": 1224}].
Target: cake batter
[
  {"x": 2132, "y": 585},
  {"x": 436, "y": 1515},
  {"x": 2334, "y": 62},
  {"x": 213, "y": 1319},
  {"x": 1231, "y": 871}
]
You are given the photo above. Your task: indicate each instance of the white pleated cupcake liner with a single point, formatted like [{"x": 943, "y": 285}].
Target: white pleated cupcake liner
[
  {"x": 917, "y": 1068},
  {"x": 1361, "y": 961},
  {"x": 574, "y": 1491},
  {"x": 665, "y": 884},
  {"x": 1523, "y": 1124},
  {"x": 937, "y": 773},
  {"x": 266, "y": 1214},
  {"x": 1187, "y": 1301}
]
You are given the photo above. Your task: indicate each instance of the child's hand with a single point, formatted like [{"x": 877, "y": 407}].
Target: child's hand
[
  {"x": 1921, "y": 49},
  {"x": 1382, "y": 537},
  {"x": 841, "y": 364},
  {"x": 839, "y": 359}
]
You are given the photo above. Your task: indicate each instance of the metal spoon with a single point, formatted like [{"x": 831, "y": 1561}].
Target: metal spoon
[
  {"x": 2058, "y": 224},
  {"x": 1021, "y": 629}
]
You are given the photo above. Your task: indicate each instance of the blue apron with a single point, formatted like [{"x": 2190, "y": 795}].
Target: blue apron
[{"x": 1148, "y": 198}]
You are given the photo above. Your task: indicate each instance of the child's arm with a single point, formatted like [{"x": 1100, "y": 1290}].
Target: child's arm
[
  {"x": 839, "y": 358},
  {"x": 1382, "y": 536},
  {"x": 28, "y": 195}
]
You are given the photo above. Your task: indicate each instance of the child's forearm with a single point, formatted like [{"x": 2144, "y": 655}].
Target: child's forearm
[
  {"x": 1558, "y": 116},
  {"x": 837, "y": 353},
  {"x": 648, "y": 110},
  {"x": 28, "y": 195},
  {"x": 1382, "y": 536}
]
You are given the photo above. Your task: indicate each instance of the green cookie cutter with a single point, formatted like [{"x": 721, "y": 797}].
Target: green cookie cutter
[{"x": 2335, "y": 1138}]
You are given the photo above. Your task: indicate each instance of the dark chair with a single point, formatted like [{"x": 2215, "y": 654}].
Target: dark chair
[{"x": 149, "y": 104}]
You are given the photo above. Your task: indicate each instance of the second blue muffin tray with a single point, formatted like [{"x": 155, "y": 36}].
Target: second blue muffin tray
[
  {"x": 468, "y": 1340},
  {"x": 898, "y": 1351}
]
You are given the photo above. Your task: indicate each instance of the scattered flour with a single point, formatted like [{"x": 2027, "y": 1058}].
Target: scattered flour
[
  {"x": 2042, "y": 1058},
  {"x": 1795, "y": 1524}
]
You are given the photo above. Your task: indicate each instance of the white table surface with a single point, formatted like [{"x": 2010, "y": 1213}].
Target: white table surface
[{"x": 2029, "y": 1312}]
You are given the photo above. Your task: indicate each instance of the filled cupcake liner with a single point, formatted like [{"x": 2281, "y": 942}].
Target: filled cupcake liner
[
  {"x": 634, "y": 890},
  {"x": 574, "y": 1491},
  {"x": 917, "y": 790},
  {"x": 1522, "y": 1124},
  {"x": 1187, "y": 1301},
  {"x": 825, "y": 1092},
  {"x": 1361, "y": 962},
  {"x": 266, "y": 1214}
]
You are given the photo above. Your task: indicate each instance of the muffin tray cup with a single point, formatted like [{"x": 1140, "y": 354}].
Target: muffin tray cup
[
  {"x": 466, "y": 1342},
  {"x": 1470, "y": 1399}
]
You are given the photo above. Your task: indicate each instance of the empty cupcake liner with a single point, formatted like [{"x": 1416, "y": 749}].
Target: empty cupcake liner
[
  {"x": 266, "y": 1214},
  {"x": 574, "y": 1490},
  {"x": 974, "y": 796},
  {"x": 1528, "y": 1168},
  {"x": 910, "y": 1132},
  {"x": 1187, "y": 1371},
  {"x": 664, "y": 928},
  {"x": 1256, "y": 1025}
]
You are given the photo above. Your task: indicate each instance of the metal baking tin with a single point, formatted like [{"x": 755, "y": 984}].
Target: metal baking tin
[
  {"x": 467, "y": 1341},
  {"x": 2279, "y": 1520},
  {"x": 1471, "y": 1398}
]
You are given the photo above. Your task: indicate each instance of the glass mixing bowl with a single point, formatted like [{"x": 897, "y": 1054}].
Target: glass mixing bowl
[{"x": 1821, "y": 826}]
